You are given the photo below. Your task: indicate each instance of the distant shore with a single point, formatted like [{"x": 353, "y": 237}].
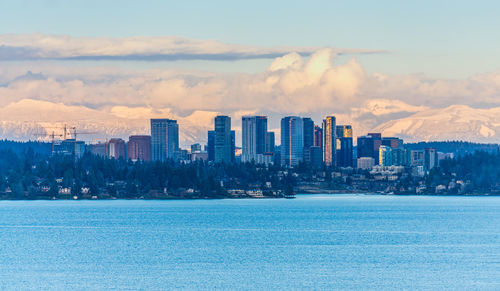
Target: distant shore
[{"x": 325, "y": 192}]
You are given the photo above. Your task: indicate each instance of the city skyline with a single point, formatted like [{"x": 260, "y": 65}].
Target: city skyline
[
  {"x": 372, "y": 69},
  {"x": 240, "y": 145}
]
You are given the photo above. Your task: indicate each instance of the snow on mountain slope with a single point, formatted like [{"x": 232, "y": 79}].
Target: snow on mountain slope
[
  {"x": 31, "y": 119},
  {"x": 384, "y": 106},
  {"x": 456, "y": 122}
]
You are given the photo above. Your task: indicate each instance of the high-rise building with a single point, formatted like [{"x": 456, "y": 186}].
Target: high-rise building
[
  {"x": 377, "y": 142},
  {"x": 318, "y": 137},
  {"x": 116, "y": 148},
  {"x": 344, "y": 131},
  {"x": 224, "y": 149},
  {"x": 270, "y": 142},
  {"x": 368, "y": 146},
  {"x": 139, "y": 148},
  {"x": 344, "y": 146},
  {"x": 430, "y": 159},
  {"x": 308, "y": 132},
  {"x": 164, "y": 139},
  {"x": 392, "y": 142},
  {"x": 316, "y": 156},
  {"x": 417, "y": 158},
  {"x": 292, "y": 141},
  {"x": 365, "y": 147},
  {"x": 329, "y": 141},
  {"x": 253, "y": 133},
  {"x": 233, "y": 146},
  {"x": 397, "y": 150},
  {"x": 70, "y": 146},
  {"x": 385, "y": 156},
  {"x": 308, "y": 138},
  {"x": 211, "y": 145}
]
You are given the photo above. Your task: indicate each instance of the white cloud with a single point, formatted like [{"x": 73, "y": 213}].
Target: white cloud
[
  {"x": 41, "y": 46},
  {"x": 121, "y": 100}
]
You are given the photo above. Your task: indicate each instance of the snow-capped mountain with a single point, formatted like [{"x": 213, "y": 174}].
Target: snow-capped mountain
[
  {"x": 456, "y": 122},
  {"x": 35, "y": 120}
]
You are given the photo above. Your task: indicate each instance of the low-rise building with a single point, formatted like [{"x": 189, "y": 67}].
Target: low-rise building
[{"x": 366, "y": 163}]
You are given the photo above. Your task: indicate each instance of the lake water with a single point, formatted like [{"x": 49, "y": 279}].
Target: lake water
[{"x": 312, "y": 242}]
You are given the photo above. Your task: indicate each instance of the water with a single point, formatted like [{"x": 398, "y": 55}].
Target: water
[{"x": 312, "y": 242}]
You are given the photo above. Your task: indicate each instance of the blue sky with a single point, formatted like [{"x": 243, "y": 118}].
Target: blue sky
[{"x": 447, "y": 39}]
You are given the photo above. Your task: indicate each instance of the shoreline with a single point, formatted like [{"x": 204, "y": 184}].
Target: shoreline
[{"x": 331, "y": 192}]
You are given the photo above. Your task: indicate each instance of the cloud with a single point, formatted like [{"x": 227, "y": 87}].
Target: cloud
[
  {"x": 39, "y": 46},
  {"x": 115, "y": 100}
]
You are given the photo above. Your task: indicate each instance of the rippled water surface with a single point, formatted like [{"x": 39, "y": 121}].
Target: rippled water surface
[{"x": 312, "y": 242}]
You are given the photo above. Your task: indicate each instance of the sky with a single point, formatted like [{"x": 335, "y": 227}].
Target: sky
[
  {"x": 439, "y": 38},
  {"x": 238, "y": 57}
]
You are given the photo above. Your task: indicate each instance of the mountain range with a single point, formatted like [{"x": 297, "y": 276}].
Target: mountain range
[
  {"x": 30, "y": 119},
  {"x": 456, "y": 122}
]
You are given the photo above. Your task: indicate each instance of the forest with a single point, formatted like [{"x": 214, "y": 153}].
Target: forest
[
  {"x": 28, "y": 172},
  {"x": 30, "y": 175}
]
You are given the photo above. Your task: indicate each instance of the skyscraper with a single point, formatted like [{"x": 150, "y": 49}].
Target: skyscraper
[
  {"x": 270, "y": 142},
  {"x": 292, "y": 140},
  {"x": 369, "y": 145},
  {"x": 385, "y": 156},
  {"x": 430, "y": 159},
  {"x": 365, "y": 147},
  {"x": 344, "y": 146},
  {"x": 254, "y": 131},
  {"x": 233, "y": 146},
  {"x": 164, "y": 139},
  {"x": 397, "y": 149},
  {"x": 139, "y": 148},
  {"x": 211, "y": 145},
  {"x": 318, "y": 136},
  {"x": 223, "y": 140},
  {"x": 308, "y": 137},
  {"x": 377, "y": 142},
  {"x": 329, "y": 141}
]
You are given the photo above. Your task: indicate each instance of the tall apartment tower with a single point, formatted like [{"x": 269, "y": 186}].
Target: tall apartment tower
[
  {"x": 253, "y": 133},
  {"x": 164, "y": 139},
  {"x": 211, "y": 145},
  {"x": 329, "y": 141},
  {"x": 270, "y": 142},
  {"x": 397, "y": 150},
  {"x": 430, "y": 159},
  {"x": 292, "y": 141},
  {"x": 308, "y": 138},
  {"x": 318, "y": 136},
  {"x": 233, "y": 146},
  {"x": 139, "y": 148},
  {"x": 344, "y": 146},
  {"x": 116, "y": 148},
  {"x": 223, "y": 145}
]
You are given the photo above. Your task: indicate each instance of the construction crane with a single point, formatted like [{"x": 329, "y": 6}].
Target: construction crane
[
  {"x": 73, "y": 131},
  {"x": 52, "y": 137}
]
